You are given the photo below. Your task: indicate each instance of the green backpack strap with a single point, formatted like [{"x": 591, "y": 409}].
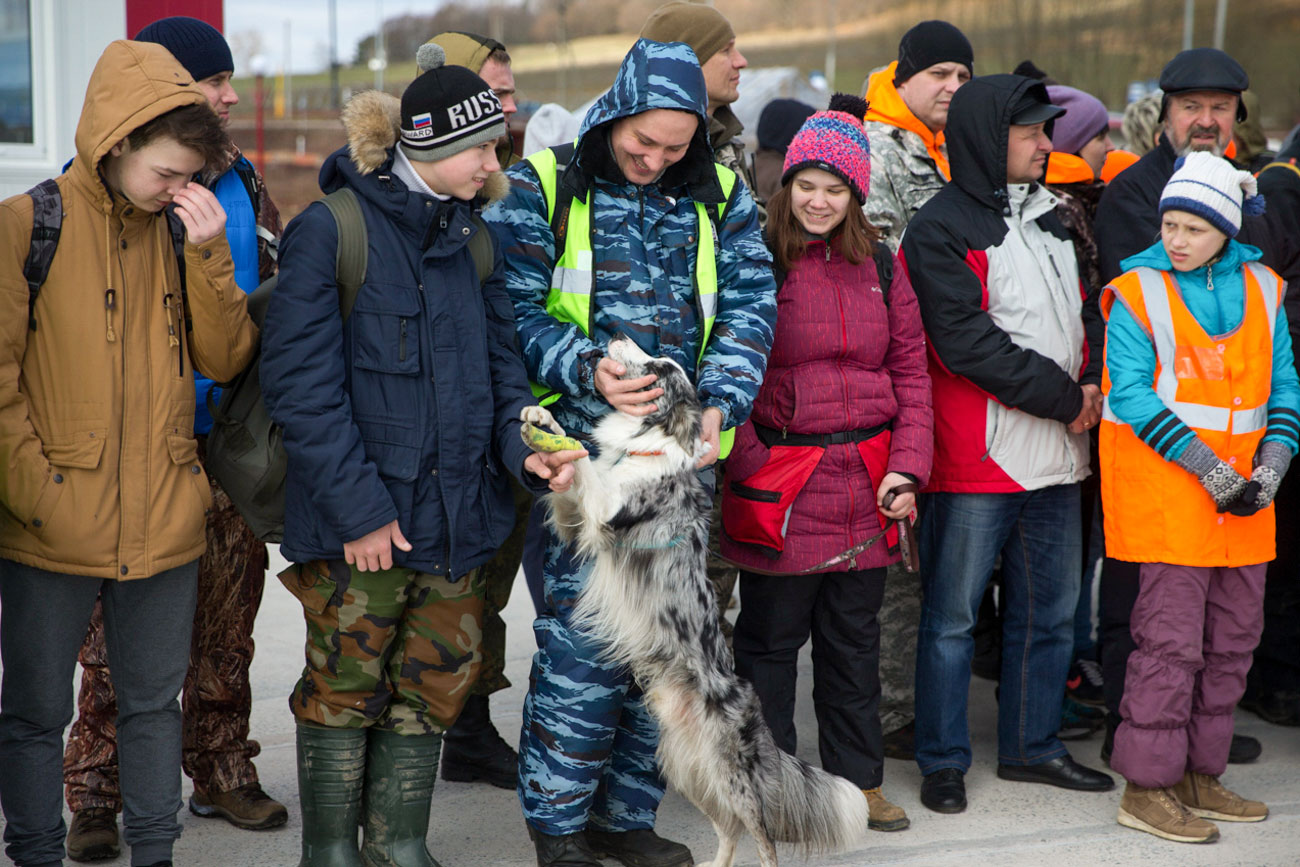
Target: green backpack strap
[
  {"x": 352, "y": 255},
  {"x": 480, "y": 247}
]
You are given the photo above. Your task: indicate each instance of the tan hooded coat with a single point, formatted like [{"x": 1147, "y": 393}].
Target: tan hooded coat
[{"x": 98, "y": 472}]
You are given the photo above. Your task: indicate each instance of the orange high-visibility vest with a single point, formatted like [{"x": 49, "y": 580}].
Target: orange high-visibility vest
[{"x": 1219, "y": 386}]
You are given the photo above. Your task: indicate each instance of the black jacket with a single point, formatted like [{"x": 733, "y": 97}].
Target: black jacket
[{"x": 1128, "y": 219}]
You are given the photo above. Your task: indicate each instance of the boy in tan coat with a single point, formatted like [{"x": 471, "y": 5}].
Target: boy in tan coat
[{"x": 101, "y": 490}]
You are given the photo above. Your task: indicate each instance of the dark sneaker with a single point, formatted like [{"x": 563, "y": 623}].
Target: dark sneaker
[
  {"x": 93, "y": 835},
  {"x": 1079, "y": 720},
  {"x": 901, "y": 743},
  {"x": 247, "y": 807},
  {"x": 1278, "y": 708},
  {"x": 639, "y": 848},
  {"x": 473, "y": 750},
  {"x": 1084, "y": 683}
]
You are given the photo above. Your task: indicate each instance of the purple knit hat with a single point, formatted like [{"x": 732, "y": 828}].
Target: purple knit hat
[
  {"x": 834, "y": 141},
  {"x": 1085, "y": 116}
]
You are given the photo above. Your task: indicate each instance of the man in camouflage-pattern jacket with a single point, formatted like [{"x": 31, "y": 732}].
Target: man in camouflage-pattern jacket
[{"x": 645, "y": 166}]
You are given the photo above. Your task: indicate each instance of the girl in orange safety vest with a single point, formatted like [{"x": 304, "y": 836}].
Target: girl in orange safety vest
[{"x": 1198, "y": 429}]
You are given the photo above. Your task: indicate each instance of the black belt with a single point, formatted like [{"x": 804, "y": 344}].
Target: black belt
[{"x": 770, "y": 436}]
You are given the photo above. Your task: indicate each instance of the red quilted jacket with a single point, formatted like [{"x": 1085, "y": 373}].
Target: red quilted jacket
[{"x": 841, "y": 360}]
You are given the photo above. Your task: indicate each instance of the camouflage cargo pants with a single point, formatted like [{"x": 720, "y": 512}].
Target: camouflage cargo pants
[
  {"x": 396, "y": 649},
  {"x": 498, "y": 579},
  {"x": 899, "y": 618},
  {"x": 216, "y": 699}
]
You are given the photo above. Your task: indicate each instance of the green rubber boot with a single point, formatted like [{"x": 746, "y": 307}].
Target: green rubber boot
[
  {"x": 400, "y": 771},
  {"x": 331, "y": 772}
]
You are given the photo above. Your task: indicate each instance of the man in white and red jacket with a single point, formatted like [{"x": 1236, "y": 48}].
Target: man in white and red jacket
[{"x": 1015, "y": 352}]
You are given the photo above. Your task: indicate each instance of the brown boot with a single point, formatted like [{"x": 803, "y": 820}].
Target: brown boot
[
  {"x": 1159, "y": 812},
  {"x": 884, "y": 816},
  {"x": 93, "y": 835},
  {"x": 1205, "y": 796},
  {"x": 247, "y": 807}
]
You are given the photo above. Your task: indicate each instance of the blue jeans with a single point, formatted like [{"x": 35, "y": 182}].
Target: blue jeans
[
  {"x": 1038, "y": 535},
  {"x": 43, "y": 622}
]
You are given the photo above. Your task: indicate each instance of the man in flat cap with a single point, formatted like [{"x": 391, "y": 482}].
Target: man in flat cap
[{"x": 1202, "y": 102}]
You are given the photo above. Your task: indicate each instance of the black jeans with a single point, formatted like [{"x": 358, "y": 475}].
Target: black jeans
[
  {"x": 1115, "y": 600},
  {"x": 838, "y": 609}
]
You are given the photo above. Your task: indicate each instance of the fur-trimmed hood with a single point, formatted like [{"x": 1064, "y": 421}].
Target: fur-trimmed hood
[{"x": 372, "y": 120}]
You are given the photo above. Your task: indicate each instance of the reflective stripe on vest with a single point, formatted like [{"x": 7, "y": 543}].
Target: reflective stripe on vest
[
  {"x": 1218, "y": 385},
  {"x": 573, "y": 280}
]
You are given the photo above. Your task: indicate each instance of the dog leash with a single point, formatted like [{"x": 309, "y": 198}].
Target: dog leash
[{"x": 906, "y": 539}]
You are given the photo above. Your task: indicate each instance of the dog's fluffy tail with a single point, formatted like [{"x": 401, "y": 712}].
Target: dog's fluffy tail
[{"x": 817, "y": 811}]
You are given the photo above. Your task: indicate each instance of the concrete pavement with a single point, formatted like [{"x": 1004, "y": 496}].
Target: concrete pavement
[{"x": 1007, "y": 824}]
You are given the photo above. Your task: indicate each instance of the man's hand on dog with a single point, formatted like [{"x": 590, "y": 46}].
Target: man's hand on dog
[
  {"x": 373, "y": 552},
  {"x": 555, "y": 467},
  {"x": 632, "y": 396},
  {"x": 711, "y": 434}
]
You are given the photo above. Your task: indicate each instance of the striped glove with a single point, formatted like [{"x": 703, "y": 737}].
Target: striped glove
[
  {"x": 1271, "y": 462},
  {"x": 1223, "y": 483}
]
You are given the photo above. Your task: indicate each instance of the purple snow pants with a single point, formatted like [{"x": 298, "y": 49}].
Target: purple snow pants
[{"x": 1195, "y": 629}]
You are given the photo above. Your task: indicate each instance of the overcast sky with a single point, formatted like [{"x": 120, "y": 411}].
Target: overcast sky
[{"x": 309, "y": 27}]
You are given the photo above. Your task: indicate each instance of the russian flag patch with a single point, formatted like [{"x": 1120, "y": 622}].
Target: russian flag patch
[{"x": 420, "y": 121}]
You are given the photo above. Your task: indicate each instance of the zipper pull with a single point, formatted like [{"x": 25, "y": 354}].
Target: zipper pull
[
  {"x": 172, "y": 339},
  {"x": 110, "y": 302}
]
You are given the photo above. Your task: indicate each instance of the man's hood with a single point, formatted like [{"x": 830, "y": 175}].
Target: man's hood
[
  {"x": 133, "y": 83},
  {"x": 654, "y": 75},
  {"x": 886, "y": 105},
  {"x": 978, "y": 121}
]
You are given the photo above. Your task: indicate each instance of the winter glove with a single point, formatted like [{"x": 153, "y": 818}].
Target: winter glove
[
  {"x": 1271, "y": 462},
  {"x": 1223, "y": 483}
]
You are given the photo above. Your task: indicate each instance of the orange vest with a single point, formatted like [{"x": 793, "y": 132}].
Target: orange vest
[{"x": 1219, "y": 386}]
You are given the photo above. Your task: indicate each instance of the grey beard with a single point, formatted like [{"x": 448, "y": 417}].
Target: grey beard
[{"x": 1186, "y": 148}]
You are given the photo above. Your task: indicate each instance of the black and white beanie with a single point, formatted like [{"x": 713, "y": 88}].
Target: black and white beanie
[
  {"x": 1214, "y": 189},
  {"x": 447, "y": 109}
]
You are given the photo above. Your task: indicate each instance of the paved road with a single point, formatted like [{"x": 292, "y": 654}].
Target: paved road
[{"x": 1007, "y": 824}]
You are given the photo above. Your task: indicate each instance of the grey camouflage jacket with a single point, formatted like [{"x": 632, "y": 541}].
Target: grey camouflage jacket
[{"x": 903, "y": 178}]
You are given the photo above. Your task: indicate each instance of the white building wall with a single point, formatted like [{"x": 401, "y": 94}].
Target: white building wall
[{"x": 67, "y": 38}]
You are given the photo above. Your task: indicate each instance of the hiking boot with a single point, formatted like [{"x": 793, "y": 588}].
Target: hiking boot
[
  {"x": 331, "y": 773},
  {"x": 247, "y": 807},
  {"x": 562, "y": 850},
  {"x": 1083, "y": 683},
  {"x": 472, "y": 750},
  {"x": 901, "y": 743},
  {"x": 93, "y": 835},
  {"x": 884, "y": 816},
  {"x": 1159, "y": 812},
  {"x": 1204, "y": 796},
  {"x": 639, "y": 848},
  {"x": 400, "y": 773}
]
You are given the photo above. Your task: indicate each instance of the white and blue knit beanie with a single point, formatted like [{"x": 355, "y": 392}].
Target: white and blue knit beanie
[{"x": 1214, "y": 189}]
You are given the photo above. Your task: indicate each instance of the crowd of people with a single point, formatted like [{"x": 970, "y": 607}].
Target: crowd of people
[{"x": 946, "y": 339}]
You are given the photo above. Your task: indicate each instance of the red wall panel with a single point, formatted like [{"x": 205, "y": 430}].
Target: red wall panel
[{"x": 142, "y": 12}]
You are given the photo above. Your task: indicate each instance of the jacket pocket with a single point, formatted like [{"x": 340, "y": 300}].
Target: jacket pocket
[
  {"x": 81, "y": 451},
  {"x": 385, "y": 327},
  {"x": 756, "y": 510},
  {"x": 184, "y": 452},
  {"x": 311, "y": 585}
]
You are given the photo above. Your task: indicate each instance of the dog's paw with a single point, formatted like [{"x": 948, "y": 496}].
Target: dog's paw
[{"x": 541, "y": 417}]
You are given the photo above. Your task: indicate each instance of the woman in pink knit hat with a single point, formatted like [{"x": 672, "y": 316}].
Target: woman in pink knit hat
[{"x": 824, "y": 475}]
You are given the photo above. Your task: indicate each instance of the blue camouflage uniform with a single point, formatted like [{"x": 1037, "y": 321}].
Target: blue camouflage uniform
[{"x": 588, "y": 742}]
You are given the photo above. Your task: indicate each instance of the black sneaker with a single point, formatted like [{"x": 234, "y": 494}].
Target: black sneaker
[
  {"x": 1084, "y": 683},
  {"x": 1278, "y": 708}
]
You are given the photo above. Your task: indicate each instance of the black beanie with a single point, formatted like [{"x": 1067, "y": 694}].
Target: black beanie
[
  {"x": 932, "y": 42},
  {"x": 447, "y": 109},
  {"x": 196, "y": 45}
]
